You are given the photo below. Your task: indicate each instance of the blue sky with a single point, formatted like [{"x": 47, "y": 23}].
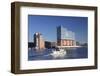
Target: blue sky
[{"x": 47, "y": 26}]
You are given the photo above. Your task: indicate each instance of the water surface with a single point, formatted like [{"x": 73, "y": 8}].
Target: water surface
[{"x": 46, "y": 54}]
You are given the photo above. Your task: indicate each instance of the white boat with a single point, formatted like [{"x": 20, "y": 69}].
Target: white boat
[{"x": 58, "y": 53}]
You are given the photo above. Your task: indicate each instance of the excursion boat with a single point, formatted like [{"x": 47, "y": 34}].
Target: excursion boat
[{"x": 58, "y": 53}]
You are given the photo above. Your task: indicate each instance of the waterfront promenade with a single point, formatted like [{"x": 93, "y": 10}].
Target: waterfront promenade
[{"x": 63, "y": 47}]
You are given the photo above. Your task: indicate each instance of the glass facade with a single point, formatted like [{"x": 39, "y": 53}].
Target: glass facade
[
  {"x": 65, "y": 37},
  {"x": 64, "y": 33}
]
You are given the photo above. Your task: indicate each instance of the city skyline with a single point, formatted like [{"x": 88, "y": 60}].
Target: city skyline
[{"x": 47, "y": 25}]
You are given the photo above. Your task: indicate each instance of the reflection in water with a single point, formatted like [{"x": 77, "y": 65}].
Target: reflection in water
[{"x": 50, "y": 54}]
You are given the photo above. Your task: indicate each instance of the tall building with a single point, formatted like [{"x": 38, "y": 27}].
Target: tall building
[
  {"x": 39, "y": 41},
  {"x": 65, "y": 37}
]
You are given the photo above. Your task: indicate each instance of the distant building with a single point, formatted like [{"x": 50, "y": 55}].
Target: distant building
[
  {"x": 49, "y": 44},
  {"x": 65, "y": 37},
  {"x": 31, "y": 45},
  {"x": 53, "y": 44},
  {"x": 39, "y": 41}
]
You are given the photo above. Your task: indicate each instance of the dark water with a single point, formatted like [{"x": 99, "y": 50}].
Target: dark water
[{"x": 71, "y": 53}]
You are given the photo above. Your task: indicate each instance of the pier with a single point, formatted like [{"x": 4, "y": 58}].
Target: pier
[{"x": 63, "y": 47}]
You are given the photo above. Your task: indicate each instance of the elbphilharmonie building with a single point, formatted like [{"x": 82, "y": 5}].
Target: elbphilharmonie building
[{"x": 65, "y": 37}]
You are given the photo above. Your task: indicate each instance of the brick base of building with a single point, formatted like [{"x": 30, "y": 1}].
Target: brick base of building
[{"x": 65, "y": 42}]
